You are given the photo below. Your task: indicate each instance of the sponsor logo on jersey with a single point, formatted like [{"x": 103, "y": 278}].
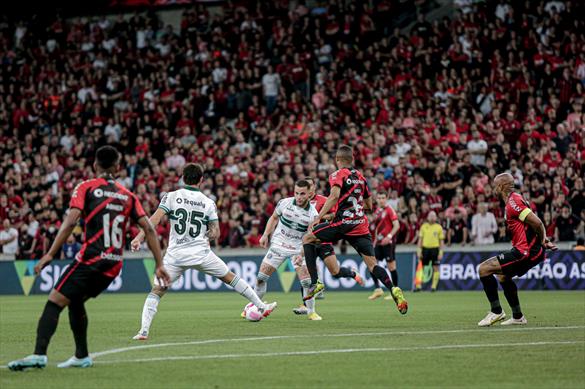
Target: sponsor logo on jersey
[
  {"x": 353, "y": 221},
  {"x": 350, "y": 181},
  {"x": 111, "y": 256},
  {"x": 115, "y": 207},
  {"x": 106, "y": 193},
  {"x": 192, "y": 203}
]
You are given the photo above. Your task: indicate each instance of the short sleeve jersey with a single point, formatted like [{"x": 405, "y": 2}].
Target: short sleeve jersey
[
  {"x": 350, "y": 206},
  {"x": 516, "y": 211},
  {"x": 106, "y": 207},
  {"x": 189, "y": 211},
  {"x": 293, "y": 222}
]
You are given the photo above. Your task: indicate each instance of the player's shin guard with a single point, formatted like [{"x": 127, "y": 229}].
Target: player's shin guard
[
  {"x": 78, "y": 323},
  {"x": 490, "y": 286},
  {"x": 261, "y": 284},
  {"x": 246, "y": 290},
  {"x": 344, "y": 272},
  {"x": 383, "y": 276},
  {"x": 47, "y": 327},
  {"x": 310, "y": 304},
  {"x": 149, "y": 311},
  {"x": 511, "y": 293},
  {"x": 311, "y": 261}
]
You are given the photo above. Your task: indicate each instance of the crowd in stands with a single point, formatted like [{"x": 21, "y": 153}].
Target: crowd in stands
[{"x": 264, "y": 96}]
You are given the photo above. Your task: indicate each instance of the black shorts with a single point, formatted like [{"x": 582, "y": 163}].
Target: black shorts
[
  {"x": 386, "y": 253},
  {"x": 332, "y": 232},
  {"x": 81, "y": 281},
  {"x": 516, "y": 263},
  {"x": 325, "y": 250},
  {"x": 430, "y": 256}
]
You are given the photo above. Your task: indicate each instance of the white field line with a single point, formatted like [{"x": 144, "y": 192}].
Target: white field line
[
  {"x": 341, "y": 351},
  {"x": 263, "y": 338}
]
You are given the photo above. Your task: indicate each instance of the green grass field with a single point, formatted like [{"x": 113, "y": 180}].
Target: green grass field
[{"x": 199, "y": 340}]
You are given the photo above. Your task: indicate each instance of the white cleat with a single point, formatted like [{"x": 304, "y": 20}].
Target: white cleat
[
  {"x": 491, "y": 318},
  {"x": 141, "y": 336},
  {"x": 268, "y": 309},
  {"x": 510, "y": 322},
  {"x": 76, "y": 362}
]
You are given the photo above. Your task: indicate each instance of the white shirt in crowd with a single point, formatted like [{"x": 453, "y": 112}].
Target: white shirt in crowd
[
  {"x": 9, "y": 248},
  {"x": 271, "y": 84},
  {"x": 477, "y": 145},
  {"x": 483, "y": 228}
]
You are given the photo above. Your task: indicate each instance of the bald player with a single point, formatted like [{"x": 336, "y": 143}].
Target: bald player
[{"x": 529, "y": 243}]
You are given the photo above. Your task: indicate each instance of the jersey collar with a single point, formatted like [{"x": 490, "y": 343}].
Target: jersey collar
[
  {"x": 307, "y": 207},
  {"x": 188, "y": 187}
]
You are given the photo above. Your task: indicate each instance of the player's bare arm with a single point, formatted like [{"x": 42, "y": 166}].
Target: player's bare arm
[
  {"x": 154, "y": 246},
  {"x": 537, "y": 226},
  {"x": 213, "y": 232},
  {"x": 270, "y": 226},
  {"x": 66, "y": 229},
  {"x": 368, "y": 204},
  {"x": 388, "y": 238},
  {"x": 154, "y": 220}
]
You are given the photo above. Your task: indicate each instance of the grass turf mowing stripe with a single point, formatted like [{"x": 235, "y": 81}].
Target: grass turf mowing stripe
[{"x": 339, "y": 351}]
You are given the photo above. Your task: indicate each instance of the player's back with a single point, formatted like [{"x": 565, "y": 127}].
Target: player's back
[
  {"x": 106, "y": 208},
  {"x": 189, "y": 212}
]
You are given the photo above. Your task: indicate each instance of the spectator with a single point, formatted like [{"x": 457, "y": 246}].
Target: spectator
[
  {"x": 477, "y": 148},
  {"x": 483, "y": 226},
  {"x": 457, "y": 231},
  {"x": 566, "y": 225},
  {"x": 271, "y": 89},
  {"x": 9, "y": 239},
  {"x": 580, "y": 246},
  {"x": 70, "y": 248}
]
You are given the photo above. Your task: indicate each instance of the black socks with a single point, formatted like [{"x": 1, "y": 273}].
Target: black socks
[
  {"x": 78, "y": 323},
  {"x": 311, "y": 261},
  {"x": 490, "y": 286},
  {"x": 511, "y": 293},
  {"x": 47, "y": 327},
  {"x": 382, "y": 275},
  {"x": 345, "y": 272}
]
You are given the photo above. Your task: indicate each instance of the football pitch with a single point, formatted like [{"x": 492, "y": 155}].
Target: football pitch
[{"x": 199, "y": 340}]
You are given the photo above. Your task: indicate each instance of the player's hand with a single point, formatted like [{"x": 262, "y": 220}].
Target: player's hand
[
  {"x": 264, "y": 241},
  {"x": 386, "y": 241},
  {"x": 135, "y": 244},
  {"x": 548, "y": 245},
  {"x": 163, "y": 277},
  {"x": 312, "y": 225},
  {"x": 42, "y": 263}
]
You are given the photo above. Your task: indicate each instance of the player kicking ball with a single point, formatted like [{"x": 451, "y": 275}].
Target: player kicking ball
[
  {"x": 529, "y": 243},
  {"x": 350, "y": 195},
  {"x": 194, "y": 223},
  {"x": 284, "y": 231},
  {"x": 106, "y": 207}
]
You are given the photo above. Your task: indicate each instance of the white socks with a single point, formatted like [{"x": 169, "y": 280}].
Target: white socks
[
  {"x": 149, "y": 310},
  {"x": 245, "y": 290},
  {"x": 310, "y": 304},
  {"x": 261, "y": 284}
]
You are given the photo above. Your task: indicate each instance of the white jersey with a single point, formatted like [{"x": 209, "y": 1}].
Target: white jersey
[
  {"x": 189, "y": 211},
  {"x": 292, "y": 225}
]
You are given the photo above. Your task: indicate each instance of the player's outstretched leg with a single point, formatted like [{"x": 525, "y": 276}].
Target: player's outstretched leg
[
  {"x": 78, "y": 323},
  {"x": 149, "y": 310},
  {"x": 511, "y": 293},
  {"x": 378, "y": 292},
  {"x": 45, "y": 330},
  {"x": 338, "y": 271},
  {"x": 246, "y": 290},
  {"x": 381, "y": 274},
  {"x": 487, "y": 269}
]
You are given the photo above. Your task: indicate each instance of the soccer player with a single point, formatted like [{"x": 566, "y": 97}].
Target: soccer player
[
  {"x": 105, "y": 206},
  {"x": 529, "y": 243},
  {"x": 284, "y": 231},
  {"x": 350, "y": 194},
  {"x": 386, "y": 226},
  {"x": 431, "y": 239},
  {"x": 194, "y": 223},
  {"x": 325, "y": 250}
]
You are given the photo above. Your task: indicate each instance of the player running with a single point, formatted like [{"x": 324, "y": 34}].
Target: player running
[
  {"x": 288, "y": 223},
  {"x": 194, "y": 223},
  {"x": 350, "y": 194},
  {"x": 529, "y": 243},
  {"x": 385, "y": 226},
  {"x": 105, "y": 206},
  {"x": 325, "y": 251}
]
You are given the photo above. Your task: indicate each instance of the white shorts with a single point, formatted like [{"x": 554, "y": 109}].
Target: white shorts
[
  {"x": 211, "y": 265},
  {"x": 276, "y": 257}
]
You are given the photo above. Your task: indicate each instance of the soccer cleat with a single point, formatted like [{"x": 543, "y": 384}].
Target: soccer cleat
[
  {"x": 268, "y": 310},
  {"x": 32, "y": 361},
  {"x": 399, "y": 299},
  {"x": 143, "y": 335},
  {"x": 314, "y": 290},
  {"x": 511, "y": 321},
  {"x": 491, "y": 318},
  {"x": 416, "y": 290},
  {"x": 357, "y": 277},
  {"x": 389, "y": 297},
  {"x": 301, "y": 310},
  {"x": 76, "y": 362},
  {"x": 378, "y": 292},
  {"x": 314, "y": 316}
]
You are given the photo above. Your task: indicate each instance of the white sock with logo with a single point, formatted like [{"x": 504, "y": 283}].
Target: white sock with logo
[
  {"x": 246, "y": 290},
  {"x": 149, "y": 311},
  {"x": 310, "y": 304}
]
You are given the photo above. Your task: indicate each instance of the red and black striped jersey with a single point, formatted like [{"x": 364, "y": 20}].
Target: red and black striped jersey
[
  {"x": 106, "y": 206},
  {"x": 383, "y": 222},
  {"x": 350, "y": 206}
]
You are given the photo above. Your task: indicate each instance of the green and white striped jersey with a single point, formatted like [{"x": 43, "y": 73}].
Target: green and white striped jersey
[{"x": 292, "y": 225}]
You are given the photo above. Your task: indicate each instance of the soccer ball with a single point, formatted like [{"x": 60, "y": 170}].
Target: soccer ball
[{"x": 252, "y": 313}]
